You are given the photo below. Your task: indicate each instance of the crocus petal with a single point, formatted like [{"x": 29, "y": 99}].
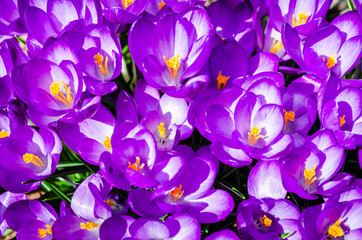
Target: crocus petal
[{"x": 265, "y": 180}]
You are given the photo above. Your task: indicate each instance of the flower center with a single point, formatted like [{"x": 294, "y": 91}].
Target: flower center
[
  {"x": 253, "y": 135},
  {"x": 161, "y": 130},
  {"x": 107, "y": 143},
  {"x": 127, "y": 3},
  {"x": 136, "y": 166},
  {"x": 161, "y": 4},
  {"x": 301, "y": 19},
  {"x": 221, "y": 81},
  {"x": 103, "y": 68},
  {"x": 342, "y": 121},
  {"x": 4, "y": 134},
  {"x": 265, "y": 221},
  {"x": 28, "y": 157},
  {"x": 172, "y": 65},
  {"x": 331, "y": 61},
  {"x": 176, "y": 193},
  {"x": 56, "y": 91},
  {"x": 309, "y": 176},
  {"x": 110, "y": 202},
  {"x": 288, "y": 116},
  {"x": 44, "y": 232},
  {"x": 276, "y": 46},
  {"x": 89, "y": 225},
  {"x": 335, "y": 230}
]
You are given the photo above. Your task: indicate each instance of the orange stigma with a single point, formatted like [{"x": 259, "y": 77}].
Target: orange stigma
[
  {"x": 342, "y": 121},
  {"x": 44, "y": 232},
  {"x": 161, "y": 4},
  {"x": 309, "y": 176},
  {"x": 265, "y": 221},
  {"x": 176, "y": 193},
  {"x": 276, "y": 46},
  {"x": 302, "y": 19},
  {"x": 103, "y": 68},
  {"x": 335, "y": 230},
  {"x": 253, "y": 135},
  {"x": 136, "y": 166},
  {"x": 89, "y": 225},
  {"x": 107, "y": 143},
  {"x": 161, "y": 130},
  {"x": 110, "y": 202},
  {"x": 288, "y": 116},
  {"x": 172, "y": 65},
  {"x": 127, "y": 3},
  {"x": 221, "y": 81},
  {"x": 56, "y": 91},
  {"x": 331, "y": 61},
  {"x": 4, "y": 134},
  {"x": 28, "y": 157}
]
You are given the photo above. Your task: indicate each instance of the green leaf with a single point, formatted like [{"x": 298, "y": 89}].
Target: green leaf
[
  {"x": 285, "y": 235},
  {"x": 20, "y": 40},
  {"x": 52, "y": 188},
  {"x": 351, "y": 5},
  {"x": 69, "y": 164},
  {"x": 240, "y": 194}
]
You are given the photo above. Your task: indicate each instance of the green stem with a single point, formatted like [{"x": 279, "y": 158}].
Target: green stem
[
  {"x": 69, "y": 164},
  {"x": 52, "y": 188},
  {"x": 351, "y": 5}
]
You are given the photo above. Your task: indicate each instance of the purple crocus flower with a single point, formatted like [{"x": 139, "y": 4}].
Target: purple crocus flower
[
  {"x": 336, "y": 47},
  {"x": 251, "y": 127},
  {"x": 52, "y": 86},
  {"x": 51, "y": 18},
  {"x": 32, "y": 219},
  {"x": 6, "y": 199},
  {"x": 165, "y": 117},
  {"x": 28, "y": 155},
  {"x": 338, "y": 218},
  {"x": 177, "y": 227},
  {"x": 10, "y": 23},
  {"x": 178, "y": 49},
  {"x": 101, "y": 59},
  {"x": 92, "y": 217},
  {"x": 186, "y": 194},
  {"x": 266, "y": 214},
  {"x": 238, "y": 24},
  {"x": 91, "y": 137},
  {"x": 307, "y": 171},
  {"x": 133, "y": 156},
  {"x": 342, "y": 114},
  {"x": 123, "y": 12}
]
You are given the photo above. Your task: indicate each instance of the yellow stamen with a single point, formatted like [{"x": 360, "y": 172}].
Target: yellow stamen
[
  {"x": 103, "y": 68},
  {"x": 161, "y": 130},
  {"x": 172, "y": 65},
  {"x": 288, "y": 116},
  {"x": 4, "y": 134},
  {"x": 309, "y": 176},
  {"x": 28, "y": 157},
  {"x": 136, "y": 166},
  {"x": 302, "y": 19},
  {"x": 331, "y": 61},
  {"x": 161, "y": 4},
  {"x": 176, "y": 193},
  {"x": 265, "y": 221},
  {"x": 127, "y": 3},
  {"x": 110, "y": 202},
  {"x": 89, "y": 225},
  {"x": 107, "y": 143},
  {"x": 44, "y": 232},
  {"x": 56, "y": 91},
  {"x": 253, "y": 135},
  {"x": 342, "y": 121},
  {"x": 221, "y": 81},
  {"x": 276, "y": 46},
  {"x": 335, "y": 230}
]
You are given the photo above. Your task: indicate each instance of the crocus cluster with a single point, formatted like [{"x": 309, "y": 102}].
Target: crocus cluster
[{"x": 164, "y": 119}]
